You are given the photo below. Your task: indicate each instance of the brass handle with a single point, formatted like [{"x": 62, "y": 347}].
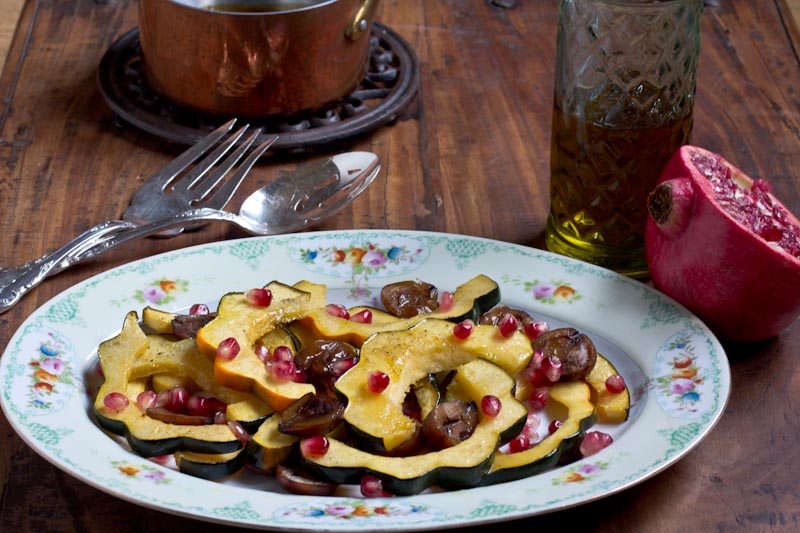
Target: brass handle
[{"x": 360, "y": 23}]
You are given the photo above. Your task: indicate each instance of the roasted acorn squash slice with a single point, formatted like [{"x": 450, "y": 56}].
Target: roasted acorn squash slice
[
  {"x": 268, "y": 447},
  {"x": 147, "y": 436},
  {"x": 408, "y": 356},
  {"x": 248, "y": 324},
  {"x": 611, "y": 408},
  {"x": 459, "y": 466},
  {"x": 472, "y": 298},
  {"x": 575, "y": 396},
  {"x": 183, "y": 359}
]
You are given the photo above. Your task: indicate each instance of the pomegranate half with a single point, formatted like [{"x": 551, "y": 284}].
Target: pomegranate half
[{"x": 722, "y": 245}]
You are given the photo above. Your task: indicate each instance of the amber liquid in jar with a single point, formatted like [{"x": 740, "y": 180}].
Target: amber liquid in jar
[{"x": 599, "y": 182}]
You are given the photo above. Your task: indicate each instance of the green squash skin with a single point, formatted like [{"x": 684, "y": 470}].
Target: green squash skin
[
  {"x": 269, "y": 447},
  {"x": 212, "y": 471},
  {"x": 450, "y": 478},
  {"x": 251, "y": 426},
  {"x": 152, "y": 448},
  {"x": 446, "y": 477},
  {"x": 482, "y": 304}
]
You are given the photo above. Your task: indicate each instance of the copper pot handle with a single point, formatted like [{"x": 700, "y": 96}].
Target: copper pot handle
[{"x": 361, "y": 22}]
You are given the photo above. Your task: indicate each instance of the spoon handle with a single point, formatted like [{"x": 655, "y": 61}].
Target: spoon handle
[{"x": 16, "y": 282}]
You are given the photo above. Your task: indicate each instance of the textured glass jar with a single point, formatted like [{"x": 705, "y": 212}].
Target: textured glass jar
[{"x": 623, "y": 104}]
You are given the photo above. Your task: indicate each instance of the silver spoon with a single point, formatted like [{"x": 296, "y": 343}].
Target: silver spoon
[{"x": 292, "y": 201}]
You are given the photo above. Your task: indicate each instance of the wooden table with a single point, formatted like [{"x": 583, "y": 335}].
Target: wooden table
[{"x": 470, "y": 156}]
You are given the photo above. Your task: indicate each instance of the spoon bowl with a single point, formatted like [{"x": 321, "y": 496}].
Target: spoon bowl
[{"x": 309, "y": 194}]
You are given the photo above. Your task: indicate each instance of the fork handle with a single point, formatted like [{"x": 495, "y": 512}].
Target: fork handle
[
  {"x": 94, "y": 242},
  {"x": 15, "y": 282}
]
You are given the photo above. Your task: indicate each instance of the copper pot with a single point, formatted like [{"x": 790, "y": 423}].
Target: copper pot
[{"x": 290, "y": 56}]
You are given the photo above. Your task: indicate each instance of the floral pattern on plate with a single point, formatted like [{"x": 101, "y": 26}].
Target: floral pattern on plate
[
  {"x": 679, "y": 376},
  {"x": 50, "y": 370}
]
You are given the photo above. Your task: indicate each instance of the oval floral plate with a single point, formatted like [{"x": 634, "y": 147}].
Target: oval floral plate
[{"x": 674, "y": 366}]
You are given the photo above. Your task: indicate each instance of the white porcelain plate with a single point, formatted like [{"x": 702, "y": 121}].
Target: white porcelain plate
[{"x": 676, "y": 369}]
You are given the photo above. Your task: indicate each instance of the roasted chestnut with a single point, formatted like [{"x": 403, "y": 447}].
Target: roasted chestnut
[
  {"x": 575, "y": 351},
  {"x": 406, "y": 299},
  {"x": 311, "y": 415},
  {"x": 449, "y": 423}
]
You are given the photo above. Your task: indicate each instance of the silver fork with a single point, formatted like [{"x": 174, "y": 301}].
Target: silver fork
[{"x": 165, "y": 194}]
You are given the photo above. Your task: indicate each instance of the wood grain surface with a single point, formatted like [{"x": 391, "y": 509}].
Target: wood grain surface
[{"x": 470, "y": 156}]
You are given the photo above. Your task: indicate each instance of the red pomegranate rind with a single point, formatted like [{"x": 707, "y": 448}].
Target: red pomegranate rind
[{"x": 744, "y": 286}]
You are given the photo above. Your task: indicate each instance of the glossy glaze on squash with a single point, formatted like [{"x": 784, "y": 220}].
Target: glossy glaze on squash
[
  {"x": 147, "y": 436},
  {"x": 575, "y": 396},
  {"x": 408, "y": 356},
  {"x": 470, "y": 300},
  {"x": 459, "y": 466},
  {"x": 249, "y": 324},
  {"x": 612, "y": 408}
]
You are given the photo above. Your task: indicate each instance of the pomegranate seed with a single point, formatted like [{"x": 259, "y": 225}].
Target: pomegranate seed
[
  {"x": 377, "y": 381},
  {"x": 282, "y": 353},
  {"x": 446, "y": 302},
  {"x": 286, "y": 370},
  {"x": 220, "y": 418},
  {"x": 238, "y": 430},
  {"x": 146, "y": 399},
  {"x": 162, "y": 399},
  {"x": 362, "y": 317},
  {"x": 177, "y": 400},
  {"x": 115, "y": 401},
  {"x": 534, "y": 329},
  {"x": 538, "y": 357},
  {"x": 199, "y": 309},
  {"x": 317, "y": 445},
  {"x": 615, "y": 384},
  {"x": 538, "y": 399},
  {"x": 552, "y": 368},
  {"x": 520, "y": 443},
  {"x": 554, "y": 425},
  {"x": 259, "y": 297},
  {"x": 463, "y": 329},
  {"x": 491, "y": 405},
  {"x": 343, "y": 365},
  {"x": 198, "y": 405},
  {"x": 262, "y": 352},
  {"x": 536, "y": 377},
  {"x": 337, "y": 310},
  {"x": 215, "y": 405},
  {"x": 372, "y": 487},
  {"x": 228, "y": 349},
  {"x": 531, "y": 428},
  {"x": 594, "y": 441},
  {"x": 508, "y": 325}
]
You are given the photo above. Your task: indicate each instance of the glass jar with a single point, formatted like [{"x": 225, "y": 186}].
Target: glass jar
[{"x": 623, "y": 104}]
